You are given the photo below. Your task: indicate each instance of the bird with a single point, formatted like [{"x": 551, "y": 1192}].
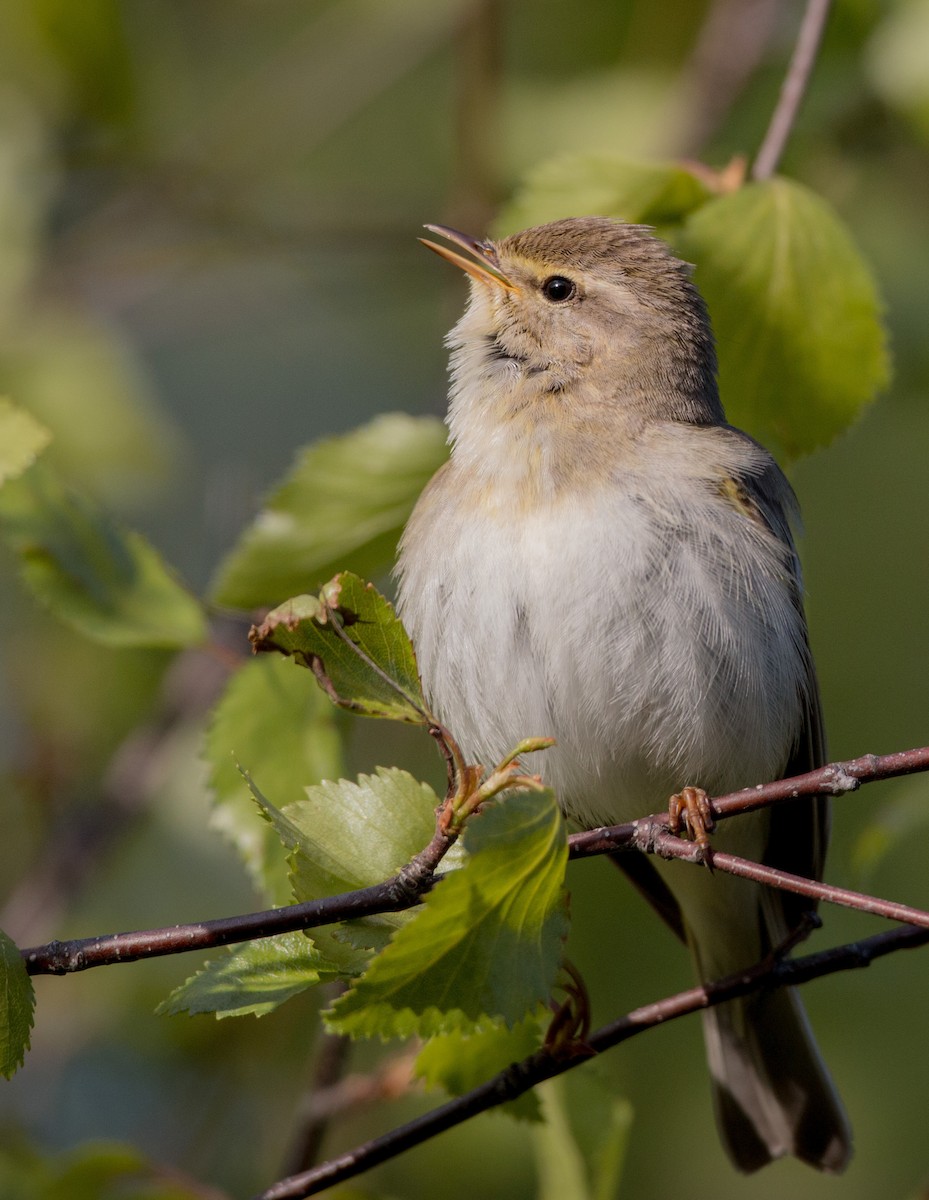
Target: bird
[{"x": 605, "y": 561}]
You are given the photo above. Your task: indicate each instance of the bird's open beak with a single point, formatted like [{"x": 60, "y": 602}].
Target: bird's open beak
[{"x": 485, "y": 270}]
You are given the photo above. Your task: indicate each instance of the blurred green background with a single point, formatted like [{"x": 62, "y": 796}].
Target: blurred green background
[{"x": 208, "y": 257}]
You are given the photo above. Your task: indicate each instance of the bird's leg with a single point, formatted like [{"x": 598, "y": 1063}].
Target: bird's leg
[{"x": 689, "y": 810}]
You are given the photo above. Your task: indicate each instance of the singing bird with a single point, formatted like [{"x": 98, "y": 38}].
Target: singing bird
[{"x": 606, "y": 561}]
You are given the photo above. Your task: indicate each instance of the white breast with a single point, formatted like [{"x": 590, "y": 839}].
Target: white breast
[{"x": 657, "y": 640}]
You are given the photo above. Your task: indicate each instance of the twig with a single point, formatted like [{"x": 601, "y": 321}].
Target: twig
[
  {"x": 406, "y": 888},
  {"x": 313, "y": 1117},
  {"x": 520, "y": 1077},
  {"x": 729, "y": 47},
  {"x": 391, "y": 1079},
  {"x": 792, "y": 89},
  {"x": 669, "y": 846},
  {"x": 834, "y": 779}
]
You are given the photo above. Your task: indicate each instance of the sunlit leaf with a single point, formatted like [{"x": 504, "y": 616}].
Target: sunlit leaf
[
  {"x": 486, "y": 943},
  {"x": 278, "y": 725},
  {"x": 796, "y": 313},
  {"x": 602, "y": 185},
  {"x": 22, "y": 438},
  {"x": 345, "y": 836},
  {"x": 254, "y": 978},
  {"x": 107, "y": 582},
  {"x": 17, "y": 1004},
  {"x": 356, "y": 646},
  {"x": 343, "y": 506}
]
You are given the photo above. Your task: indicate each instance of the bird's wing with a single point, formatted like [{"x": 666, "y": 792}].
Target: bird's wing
[{"x": 799, "y": 830}]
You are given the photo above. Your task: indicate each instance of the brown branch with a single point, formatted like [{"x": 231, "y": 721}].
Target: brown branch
[
  {"x": 792, "y": 90},
  {"x": 313, "y": 1118},
  {"x": 669, "y": 846},
  {"x": 834, "y": 779},
  {"x": 389, "y": 1081},
  {"x": 542, "y": 1065},
  {"x": 401, "y": 891},
  {"x": 407, "y": 887}
]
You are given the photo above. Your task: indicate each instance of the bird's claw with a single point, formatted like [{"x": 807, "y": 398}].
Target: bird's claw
[{"x": 690, "y": 812}]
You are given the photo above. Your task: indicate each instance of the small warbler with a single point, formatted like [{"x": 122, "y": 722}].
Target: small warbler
[{"x": 605, "y": 561}]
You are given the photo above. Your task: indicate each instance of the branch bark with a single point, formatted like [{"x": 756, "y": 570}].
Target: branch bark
[
  {"x": 408, "y": 886},
  {"x": 792, "y": 90},
  {"x": 522, "y": 1076}
]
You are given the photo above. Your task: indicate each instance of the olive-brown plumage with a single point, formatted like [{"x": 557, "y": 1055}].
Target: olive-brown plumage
[{"x": 606, "y": 561}]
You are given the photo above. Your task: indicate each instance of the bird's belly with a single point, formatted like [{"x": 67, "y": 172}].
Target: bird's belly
[{"x": 655, "y": 660}]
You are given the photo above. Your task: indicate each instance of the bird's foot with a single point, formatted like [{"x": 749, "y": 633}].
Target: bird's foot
[{"x": 690, "y": 812}]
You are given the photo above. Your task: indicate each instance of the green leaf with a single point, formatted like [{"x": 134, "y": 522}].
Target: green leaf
[
  {"x": 354, "y": 643},
  {"x": 797, "y": 316},
  {"x": 17, "y": 1004},
  {"x": 487, "y": 941},
  {"x": 343, "y": 505},
  {"x": 22, "y": 439},
  {"x": 104, "y": 581},
  {"x": 281, "y": 728},
  {"x": 351, "y": 835},
  {"x": 462, "y": 1060},
  {"x": 345, "y": 836},
  {"x": 253, "y": 978},
  {"x": 580, "y": 1162},
  {"x": 603, "y": 185}
]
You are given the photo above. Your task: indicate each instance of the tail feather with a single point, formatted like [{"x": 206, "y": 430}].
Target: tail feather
[{"x": 772, "y": 1094}]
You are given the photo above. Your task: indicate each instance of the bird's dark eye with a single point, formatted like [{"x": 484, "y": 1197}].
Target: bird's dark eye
[{"x": 557, "y": 288}]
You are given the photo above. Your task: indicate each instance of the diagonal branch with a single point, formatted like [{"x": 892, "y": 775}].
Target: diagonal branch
[
  {"x": 520, "y": 1077},
  {"x": 792, "y": 90},
  {"x": 409, "y": 885}
]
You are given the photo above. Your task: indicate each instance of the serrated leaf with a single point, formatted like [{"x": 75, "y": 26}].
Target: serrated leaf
[
  {"x": 796, "y": 313},
  {"x": 22, "y": 439},
  {"x": 487, "y": 941},
  {"x": 17, "y": 1006},
  {"x": 356, "y": 646},
  {"x": 277, "y": 724},
  {"x": 461, "y": 1061},
  {"x": 345, "y": 836},
  {"x": 107, "y": 582},
  {"x": 343, "y": 505},
  {"x": 253, "y": 978},
  {"x": 603, "y": 185}
]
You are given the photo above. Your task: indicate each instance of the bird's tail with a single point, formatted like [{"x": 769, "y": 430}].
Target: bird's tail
[{"x": 772, "y": 1093}]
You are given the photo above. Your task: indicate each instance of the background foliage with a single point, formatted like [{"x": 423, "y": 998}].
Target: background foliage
[{"x": 207, "y": 230}]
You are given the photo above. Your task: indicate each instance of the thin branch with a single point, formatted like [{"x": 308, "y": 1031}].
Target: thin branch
[
  {"x": 314, "y": 1118},
  {"x": 729, "y": 47},
  {"x": 669, "y": 846},
  {"x": 390, "y": 1080},
  {"x": 834, "y": 779},
  {"x": 407, "y": 887},
  {"x": 792, "y": 90},
  {"x": 522, "y": 1076}
]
